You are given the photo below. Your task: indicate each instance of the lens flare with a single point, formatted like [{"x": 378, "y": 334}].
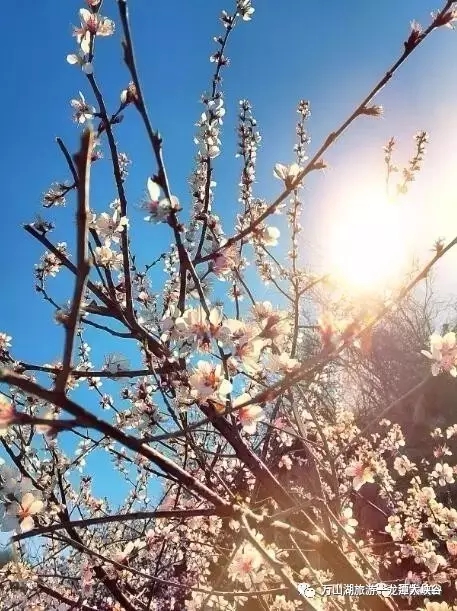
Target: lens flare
[{"x": 367, "y": 247}]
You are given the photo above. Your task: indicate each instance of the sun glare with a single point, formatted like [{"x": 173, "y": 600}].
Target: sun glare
[{"x": 368, "y": 243}]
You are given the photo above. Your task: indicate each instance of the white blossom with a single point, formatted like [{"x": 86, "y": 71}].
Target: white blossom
[
  {"x": 80, "y": 59},
  {"x": 19, "y": 515},
  {"x": 83, "y": 111},
  {"x": 443, "y": 353},
  {"x": 106, "y": 257}
]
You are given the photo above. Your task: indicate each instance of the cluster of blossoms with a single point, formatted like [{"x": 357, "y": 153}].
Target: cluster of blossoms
[
  {"x": 208, "y": 128},
  {"x": 421, "y": 524},
  {"x": 208, "y": 142},
  {"x": 107, "y": 257},
  {"x": 92, "y": 24},
  {"x": 50, "y": 263},
  {"x": 249, "y": 139},
  {"x": 56, "y": 194},
  {"x": 246, "y": 345},
  {"x": 109, "y": 228}
]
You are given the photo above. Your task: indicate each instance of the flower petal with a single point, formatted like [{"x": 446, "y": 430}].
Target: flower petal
[
  {"x": 153, "y": 190},
  {"x": 27, "y": 524}
]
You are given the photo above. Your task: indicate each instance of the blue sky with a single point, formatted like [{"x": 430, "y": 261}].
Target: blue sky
[{"x": 291, "y": 50}]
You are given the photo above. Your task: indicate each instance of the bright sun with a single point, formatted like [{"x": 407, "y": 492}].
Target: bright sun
[{"x": 368, "y": 243}]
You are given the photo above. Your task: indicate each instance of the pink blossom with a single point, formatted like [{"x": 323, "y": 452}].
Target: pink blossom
[
  {"x": 208, "y": 379},
  {"x": 224, "y": 261},
  {"x": 22, "y": 512},
  {"x": 361, "y": 474},
  {"x": 159, "y": 208},
  {"x": 249, "y": 415},
  {"x": 347, "y": 521},
  {"x": 7, "y": 414},
  {"x": 443, "y": 353}
]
